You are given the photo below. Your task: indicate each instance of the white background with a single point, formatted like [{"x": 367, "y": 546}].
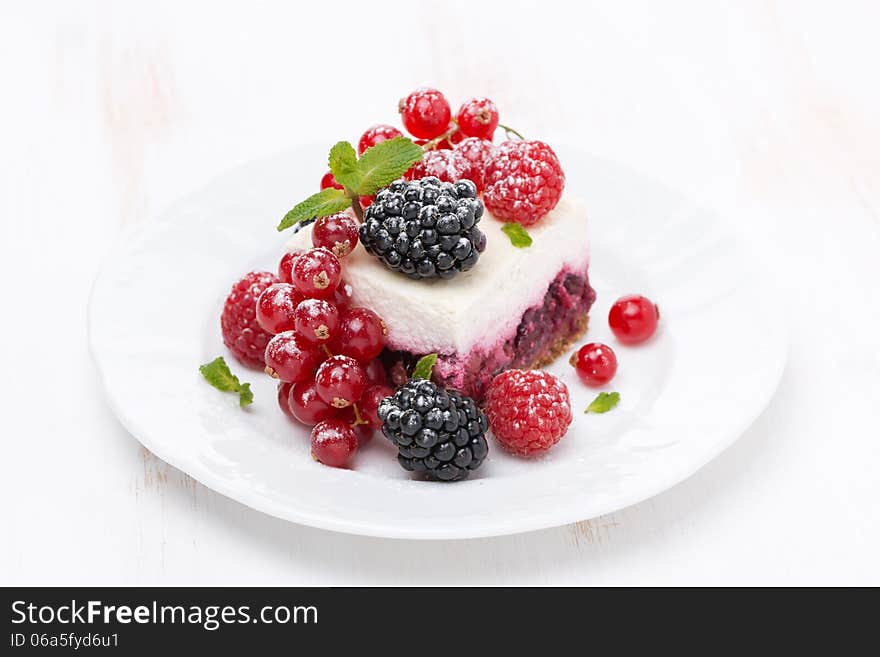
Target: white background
[{"x": 767, "y": 111}]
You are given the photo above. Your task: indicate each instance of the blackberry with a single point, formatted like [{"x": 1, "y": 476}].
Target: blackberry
[
  {"x": 425, "y": 228},
  {"x": 436, "y": 431}
]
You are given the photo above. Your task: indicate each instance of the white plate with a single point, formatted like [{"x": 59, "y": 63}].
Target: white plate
[{"x": 685, "y": 396}]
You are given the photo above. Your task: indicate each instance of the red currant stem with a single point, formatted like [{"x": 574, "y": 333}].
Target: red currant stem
[
  {"x": 657, "y": 310},
  {"x": 434, "y": 143},
  {"x": 357, "y": 416},
  {"x": 327, "y": 350},
  {"x": 510, "y": 131},
  {"x": 355, "y": 205}
]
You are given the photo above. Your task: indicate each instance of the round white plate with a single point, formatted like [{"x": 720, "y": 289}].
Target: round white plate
[{"x": 685, "y": 395}]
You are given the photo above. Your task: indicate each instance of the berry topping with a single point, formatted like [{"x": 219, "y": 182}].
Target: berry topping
[
  {"x": 242, "y": 334},
  {"x": 595, "y": 363},
  {"x": 306, "y": 406},
  {"x": 371, "y": 400},
  {"x": 284, "y": 389},
  {"x": 529, "y": 410},
  {"x": 340, "y": 381},
  {"x": 633, "y": 318},
  {"x": 290, "y": 357},
  {"x": 362, "y": 429},
  {"x": 361, "y": 334},
  {"x": 447, "y": 166},
  {"x": 316, "y": 320},
  {"x": 425, "y": 228},
  {"x": 436, "y": 431},
  {"x": 425, "y": 113},
  {"x": 376, "y": 135},
  {"x": 342, "y": 297},
  {"x": 329, "y": 181},
  {"x": 285, "y": 267},
  {"x": 337, "y": 232},
  {"x": 478, "y": 152},
  {"x": 478, "y": 117},
  {"x": 275, "y": 307},
  {"x": 523, "y": 181},
  {"x": 316, "y": 273},
  {"x": 333, "y": 443}
]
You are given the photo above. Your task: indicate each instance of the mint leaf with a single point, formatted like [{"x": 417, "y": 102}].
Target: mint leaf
[
  {"x": 424, "y": 367},
  {"x": 343, "y": 164},
  {"x": 604, "y": 402},
  {"x": 384, "y": 163},
  {"x": 324, "y": 203},
  {"x": 517, "y": 234},
  {"x": 218, "y": 374}
]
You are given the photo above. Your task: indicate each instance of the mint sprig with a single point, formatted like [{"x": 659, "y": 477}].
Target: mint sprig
[
  {"x": 377, "y": 167},
  {"x": 424, "y": 367},
  {"x": 323, "y": 204},
  {"x": 517, "y": 234},
  {"x": 384, "y": 163},
  {"x": 604, "y": 402},
  {"x": 218, "y": 374}
]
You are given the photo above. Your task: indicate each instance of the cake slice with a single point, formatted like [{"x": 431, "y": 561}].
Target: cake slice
[{"x": 517, "y": 307}]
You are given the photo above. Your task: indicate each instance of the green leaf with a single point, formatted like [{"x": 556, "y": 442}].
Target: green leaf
[
  {"x": 218, "y": 374},
  {"x": 343, "y": 164},
  {"x": 424, "y": 367},
  {"x": 517, "y": 234},
  {"x": 324, "y": 203},
  {"x": 384, "y": 163},
  {"x": 604, "y": 402}
]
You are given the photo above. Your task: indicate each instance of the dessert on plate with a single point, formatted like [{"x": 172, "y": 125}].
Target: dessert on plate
[{"x": 421, "y": 290}]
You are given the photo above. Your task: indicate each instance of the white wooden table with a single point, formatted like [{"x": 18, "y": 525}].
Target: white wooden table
[{"x": 766, "y": 110}]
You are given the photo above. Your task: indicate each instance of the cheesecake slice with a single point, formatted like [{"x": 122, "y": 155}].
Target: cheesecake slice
[{"x": 517, "y": 308}]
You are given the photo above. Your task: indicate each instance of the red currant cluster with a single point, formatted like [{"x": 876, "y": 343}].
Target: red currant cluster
[
  {"x": 323, "y": 349},
  {"x": 633, "y": 319}
]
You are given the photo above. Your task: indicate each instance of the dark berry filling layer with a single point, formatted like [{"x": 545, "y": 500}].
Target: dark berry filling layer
[{"x": 544, "y": 332}]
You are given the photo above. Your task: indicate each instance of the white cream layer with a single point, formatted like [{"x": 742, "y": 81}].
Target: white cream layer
[{"x": 481, "y": 306}]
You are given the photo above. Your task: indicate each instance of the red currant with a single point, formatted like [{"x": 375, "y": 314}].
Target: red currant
[
  {"x": 275, "y": 307},
  {"x": 338, "y": 232},
  {"x": 340, "y": 381},
  {"x": 361, "y": 334},
  {"x": 425, "y": 113},
  {"x": 283, "y": 396},
  {"x": 306, "y": 406},
  {"x": 316, "y": 320},
  {"x": 595, "y": 363},
  {"x": 363, "y": 430},
  {"x": 333, "y": 443},
  {"x": 365, "y": 201},
  {"x": 376, "y": 373},
  {"x": 342, "y": 296},
  {"x": 633, "y": 318},
  {"x": 478, "y": 117},
  {"x": 376, "y": 135},
  {"x": 291, "y": 358},
  {"x": 369, "y": 403},
  {"x": 330, "y": 181},
  {"x": 316, "y": 273},
  {"x": 286, "y": 265}
]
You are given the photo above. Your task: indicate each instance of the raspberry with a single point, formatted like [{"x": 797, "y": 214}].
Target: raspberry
[
  {"x": 523, "y": 181},
  {"x": 425, "y": 113},
  {"x": 242, "y": 335},
  {"x": 478, "y": 117},
  {"x": 447, "y": 166},
  {"x": 376, "y": 135},
  {"x": 476, "y": 151},
  {"x": 529, "y": 410}
]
